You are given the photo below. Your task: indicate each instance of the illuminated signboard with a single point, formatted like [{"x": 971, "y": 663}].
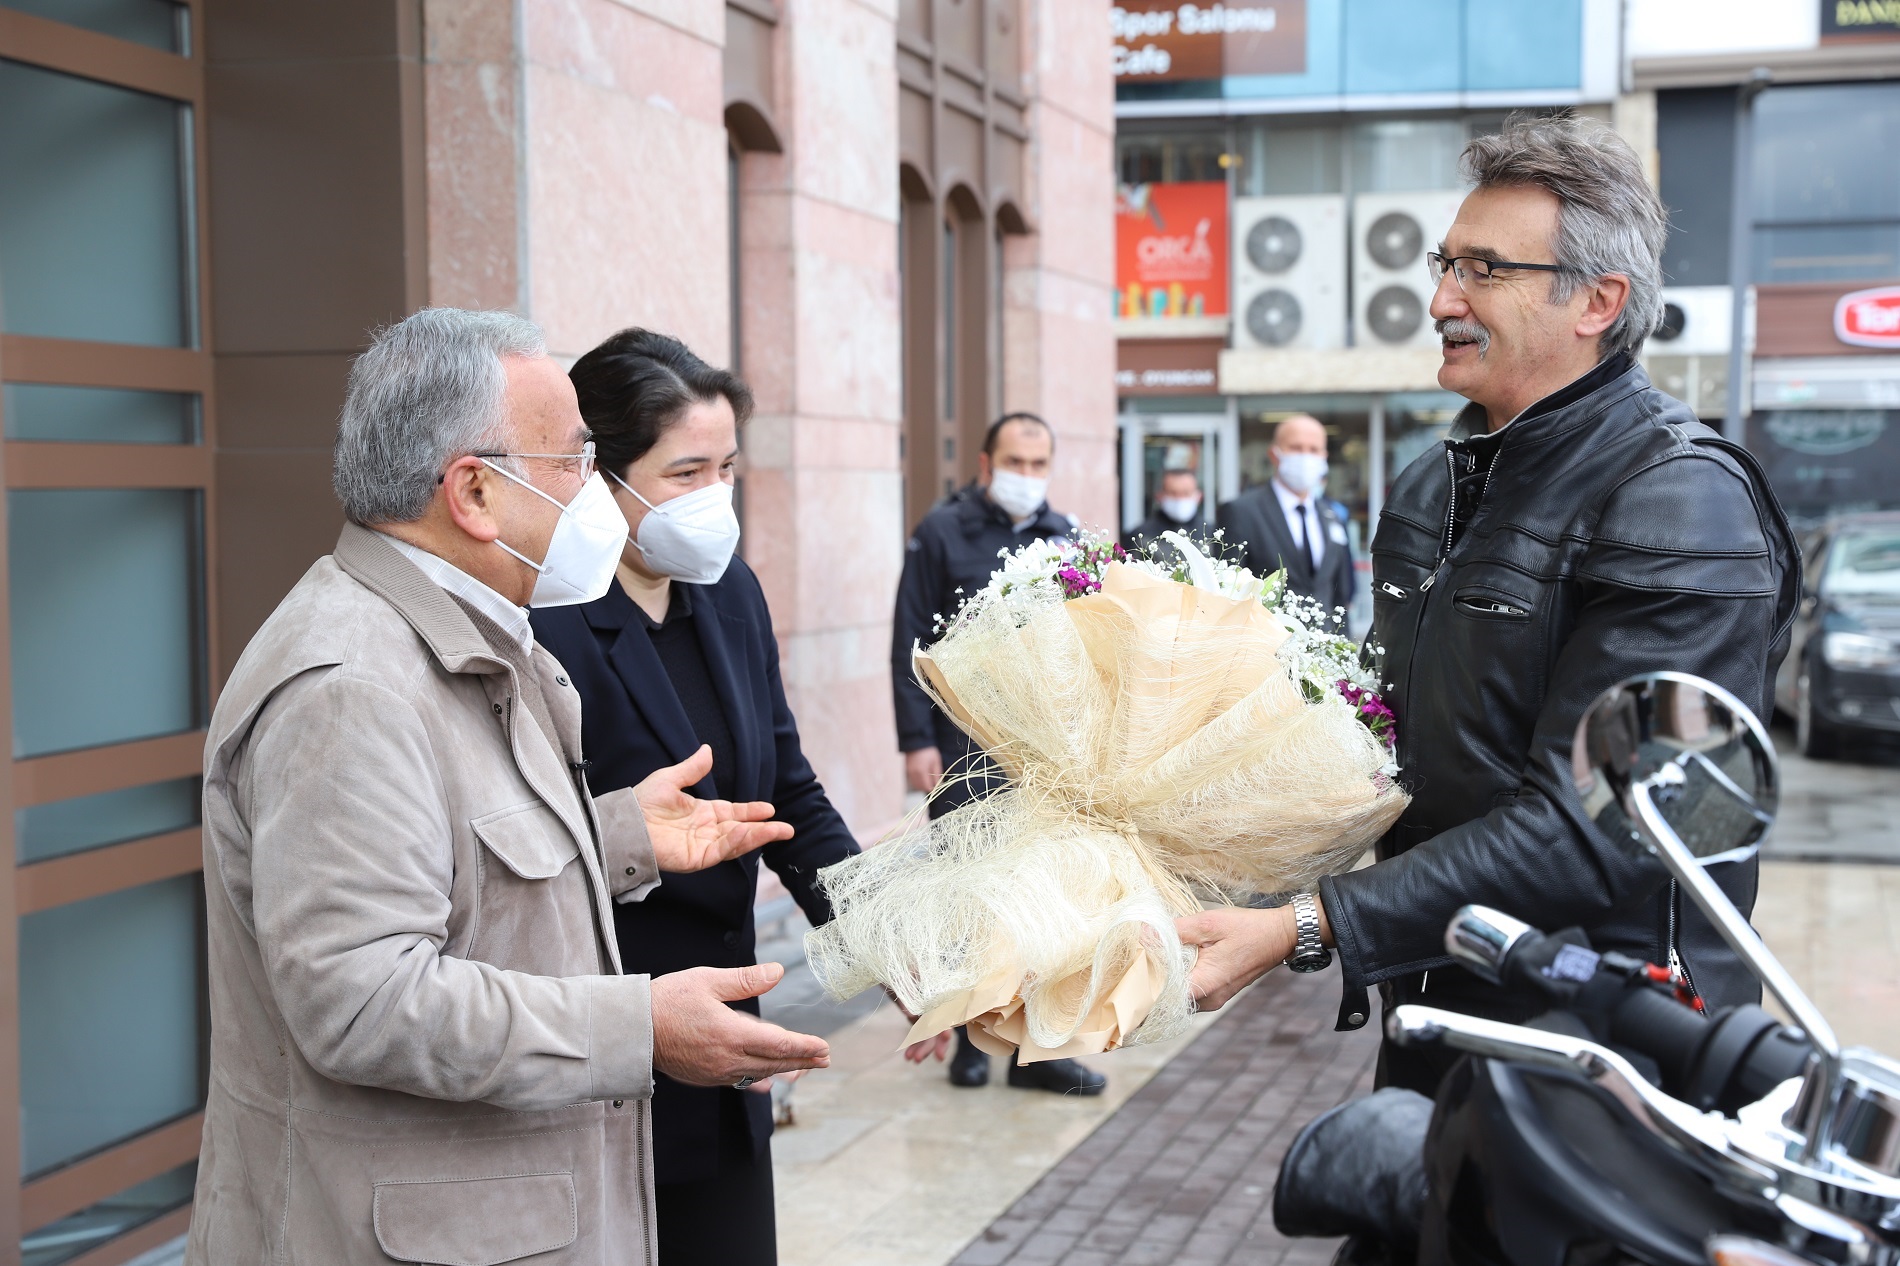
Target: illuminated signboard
[{"x": 1161, "y": 40}]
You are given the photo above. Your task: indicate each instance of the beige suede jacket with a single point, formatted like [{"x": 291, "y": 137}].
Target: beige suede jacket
[{"x": 422, "y": 1048}]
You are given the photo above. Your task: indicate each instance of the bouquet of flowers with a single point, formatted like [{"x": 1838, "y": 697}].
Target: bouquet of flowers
[{"x": 1173, "y": 728}]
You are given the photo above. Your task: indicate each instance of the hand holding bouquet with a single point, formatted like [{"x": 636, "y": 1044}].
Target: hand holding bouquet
[{"x": 1170, "y": 730}]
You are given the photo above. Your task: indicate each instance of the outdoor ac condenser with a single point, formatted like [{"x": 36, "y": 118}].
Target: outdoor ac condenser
[
  {"x": 1290, "y": 272},
  {"x": 1687, "y": 355},
  {"x": 1391, "y": 288}
]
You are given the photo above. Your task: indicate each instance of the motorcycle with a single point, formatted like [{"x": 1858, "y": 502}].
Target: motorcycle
[{"x": 1623, "y": 1124}]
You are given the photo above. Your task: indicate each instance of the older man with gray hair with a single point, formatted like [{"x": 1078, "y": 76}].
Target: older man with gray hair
[
  {"x": 423, "y": 1048},
  {"x": 1578, "y": 526}
]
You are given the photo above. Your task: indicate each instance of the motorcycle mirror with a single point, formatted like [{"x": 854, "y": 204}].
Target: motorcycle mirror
[
  {"x": 1711, "y": 770},
  {"x": 1677, "y": 766}
]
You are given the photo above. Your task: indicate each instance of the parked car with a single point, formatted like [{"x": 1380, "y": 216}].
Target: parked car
[{"x": 1841, "y": 680}]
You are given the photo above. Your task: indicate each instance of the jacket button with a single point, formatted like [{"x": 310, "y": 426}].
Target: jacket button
[
  {"x": 498, "y": 709},
  {"x": 1356, "y": 1019},
  {"x": 560, "y": 681},
  {"x": 620, "y": 1103},
  {"x": 732, "y": 940},
  {"x": 632, "y": 871}
]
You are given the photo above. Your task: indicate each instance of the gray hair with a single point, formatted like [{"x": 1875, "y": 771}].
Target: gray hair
[
  {"x": 429, "y": 390},
  {"x": 1609, "y": 219}
]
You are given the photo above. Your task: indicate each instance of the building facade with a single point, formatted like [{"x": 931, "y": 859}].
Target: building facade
[
  {"x": 1285, "y": 164},
  {"x": 894, "y": 220}
]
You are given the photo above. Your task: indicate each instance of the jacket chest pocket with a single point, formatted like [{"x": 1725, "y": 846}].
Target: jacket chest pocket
[
  {"x": 535, "y": 905},
  {"x": 1483, "y": 602}
]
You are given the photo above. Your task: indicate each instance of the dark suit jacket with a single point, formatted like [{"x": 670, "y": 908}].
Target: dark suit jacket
[
  {"x": 1254, "y": 520},
  {"x": 632, "y": 723}
]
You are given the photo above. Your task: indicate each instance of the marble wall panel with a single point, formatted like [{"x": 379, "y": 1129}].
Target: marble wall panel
[
  {"x": 702, "y": 19},
  {"x": 611, "y": 46},
  {"x": 841, "y": 64},
  {"x": 847, "y": 726},
  {"x": 626, "y": 216},
  {"x": 847, "y": 315}
]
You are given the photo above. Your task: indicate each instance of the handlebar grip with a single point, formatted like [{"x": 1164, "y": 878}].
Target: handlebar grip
[{"x": 1652, "y": 1022}]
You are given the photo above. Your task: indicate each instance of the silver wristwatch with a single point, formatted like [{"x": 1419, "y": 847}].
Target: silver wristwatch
[{"x": 1308, "y": 954}]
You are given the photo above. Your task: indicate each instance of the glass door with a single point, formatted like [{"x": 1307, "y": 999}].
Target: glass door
[{"x": 105, "y": 403}]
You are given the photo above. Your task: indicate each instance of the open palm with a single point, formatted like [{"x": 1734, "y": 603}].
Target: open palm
[{"x": 691, "y": 834}]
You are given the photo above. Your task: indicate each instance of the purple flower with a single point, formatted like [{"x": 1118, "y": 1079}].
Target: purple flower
[
  {"x": 1373, "y": 713},
  {"x": 1076, "y": 583}
]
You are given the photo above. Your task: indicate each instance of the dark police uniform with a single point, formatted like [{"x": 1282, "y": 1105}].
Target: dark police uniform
[{"x": 954, "y": 548}]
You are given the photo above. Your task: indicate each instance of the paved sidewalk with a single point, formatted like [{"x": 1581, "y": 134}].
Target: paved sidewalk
[{"x": 1183, "y": 1174}]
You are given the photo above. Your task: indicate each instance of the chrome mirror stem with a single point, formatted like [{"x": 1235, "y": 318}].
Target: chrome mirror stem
[{"x": 1742, "y": 938}]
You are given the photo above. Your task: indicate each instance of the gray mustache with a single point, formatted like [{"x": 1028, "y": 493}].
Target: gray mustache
[{"x": 1464, "y": 329}]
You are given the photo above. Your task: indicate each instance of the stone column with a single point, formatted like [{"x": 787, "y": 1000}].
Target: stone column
[
  {"x": 1059, "y": 280},
  {"x": 820, "y": 340}
]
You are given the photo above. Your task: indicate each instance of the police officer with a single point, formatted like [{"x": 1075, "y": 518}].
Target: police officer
[{"x": 952, "y": 553}]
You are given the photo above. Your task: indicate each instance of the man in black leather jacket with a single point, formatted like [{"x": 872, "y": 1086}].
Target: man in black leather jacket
[{"x": 1578, "y": 526}]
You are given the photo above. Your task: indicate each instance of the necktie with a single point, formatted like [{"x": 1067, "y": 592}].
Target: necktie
[{"x": 1304, "y": 538}]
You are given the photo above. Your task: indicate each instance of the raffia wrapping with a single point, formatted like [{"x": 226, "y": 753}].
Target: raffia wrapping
[{"x": 1157, "y": 749}]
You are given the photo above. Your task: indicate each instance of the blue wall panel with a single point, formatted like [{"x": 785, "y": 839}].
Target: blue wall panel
[
  {"x": 1323, "y": 19},
  {"x": 1523, "y": 44},
  {"x": 1404, "y": 46}
]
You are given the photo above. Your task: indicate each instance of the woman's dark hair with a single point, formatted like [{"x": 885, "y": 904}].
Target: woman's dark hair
[{"x": 637, "y": 384}]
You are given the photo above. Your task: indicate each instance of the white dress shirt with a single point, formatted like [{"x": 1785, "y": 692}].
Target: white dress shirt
[
  {"x": 1313, "y": 531},
  {"x": 512, "y": 619}
]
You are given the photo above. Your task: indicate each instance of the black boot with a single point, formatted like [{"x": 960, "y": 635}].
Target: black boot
[
  {"x": 1063, "y": 1076},
  {"x": 969, "y": 1066}
]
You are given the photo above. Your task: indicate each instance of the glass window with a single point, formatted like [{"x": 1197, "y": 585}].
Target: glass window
[
  {"x": 1292, "y": 160},
  {"x": 1147, "y": 158},
  {"x": 109, "y": 1019},
  {"x": 153, "y": 23},
  {"x": 1824, "y": 152},
  {"x": 1827, "y": 252},
  {"x": 107, "y": 612},
  {"x": 93, "y": 215},
  {"x": 98, "y": 415},
  {"x": 949, "y": 325},
  {"x": 1403, "y": 155},
  {"x": 77, "y": 1233},
  {"x": 1414, "y": 421},
  {"x": 111, "y": 817}
]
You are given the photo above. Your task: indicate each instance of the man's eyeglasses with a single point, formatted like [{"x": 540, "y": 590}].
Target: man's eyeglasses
[
  {"x": 1479, "y": 273},
  {"x": 584, "y": 459}
]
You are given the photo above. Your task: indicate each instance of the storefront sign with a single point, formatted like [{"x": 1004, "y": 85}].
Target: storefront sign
[
  {"x": 1161, "y": 40},
  {"x": 1860, "y": 17},
  {"x": 1171, "y": 250},
  {"x": 1168, "y": 366},
  {"x": 1869, "y": 318}
]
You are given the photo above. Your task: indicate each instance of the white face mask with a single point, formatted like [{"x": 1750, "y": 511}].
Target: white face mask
[
  {"x": 1181, "y": 509},
  {"x": 585, "y": 547},
  {"x": 1019, "y": 495},
  {"x": 1302, "y": 472},
  {"x": 689, "y": 538}
]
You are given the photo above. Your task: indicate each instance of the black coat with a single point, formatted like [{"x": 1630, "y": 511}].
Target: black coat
[
  {"x": 1615, "y": 535},
  {"x": 1254, "y": 522},
  {"x": 632, "y": 723},
  {"x": 954, "y": 547}
]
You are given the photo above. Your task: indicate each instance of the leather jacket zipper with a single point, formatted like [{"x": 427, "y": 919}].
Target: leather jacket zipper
[{"x": 1678, "y": 966}]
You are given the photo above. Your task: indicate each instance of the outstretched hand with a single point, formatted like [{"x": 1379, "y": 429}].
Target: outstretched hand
[{"x": 690, "y": 834}]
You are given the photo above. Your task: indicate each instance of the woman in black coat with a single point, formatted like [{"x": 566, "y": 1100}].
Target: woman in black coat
[{"x": 680, "y": 654}]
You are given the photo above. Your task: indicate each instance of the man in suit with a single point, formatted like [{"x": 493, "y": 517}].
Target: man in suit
[
  {"x": 1289, "y": 524},
  {"x": 1177, "y": 508},
  {"x": 953, "y": 552}
]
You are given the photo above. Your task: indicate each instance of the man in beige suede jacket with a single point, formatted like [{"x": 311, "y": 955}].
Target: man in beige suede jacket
[{"x": 423, "y": 1049}]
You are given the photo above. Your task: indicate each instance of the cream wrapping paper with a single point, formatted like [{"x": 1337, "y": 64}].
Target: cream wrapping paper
[{"x": 1158, "y": 751}]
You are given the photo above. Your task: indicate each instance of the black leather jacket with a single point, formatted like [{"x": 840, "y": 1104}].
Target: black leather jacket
[{"x": 1613, "y": 534}]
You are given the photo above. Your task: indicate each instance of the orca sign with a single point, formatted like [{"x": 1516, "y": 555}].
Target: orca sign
[{"x": 1869, "y": 318}]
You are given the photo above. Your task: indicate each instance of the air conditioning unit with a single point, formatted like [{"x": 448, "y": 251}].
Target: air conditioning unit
[
  {"x": 1391, "y": 287},
  {"x": 1290, "y": 272},
  {"x": 1695, "y": 322},
  {"x": 1687, "y": 355}
]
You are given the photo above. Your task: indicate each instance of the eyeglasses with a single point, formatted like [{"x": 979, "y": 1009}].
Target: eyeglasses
[
  {"x": 1472, "y": 271},
  {"x": 569, "y": 461}
]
